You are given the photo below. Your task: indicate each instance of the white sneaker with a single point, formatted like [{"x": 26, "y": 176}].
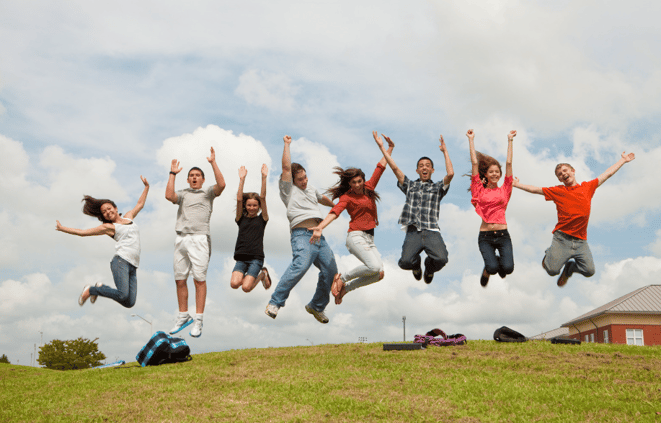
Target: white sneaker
[
  {"x": 197, "y": 329},
  {"x": 182, "y": 322},
  {"x": 319, "y": 315},
  {"x": 271, "y": 310},
  {"x": 93, "y": 297}
]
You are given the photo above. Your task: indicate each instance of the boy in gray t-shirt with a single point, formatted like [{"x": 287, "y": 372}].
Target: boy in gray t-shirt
[{"x": 192, "y": 247}]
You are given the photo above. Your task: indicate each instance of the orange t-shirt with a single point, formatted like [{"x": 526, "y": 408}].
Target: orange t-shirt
[{"x": 573, "y": 205}]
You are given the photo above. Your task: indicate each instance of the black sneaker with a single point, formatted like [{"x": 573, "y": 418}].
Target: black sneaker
[
  {"x": 484, "y": 280},
  {"x": 417, "y": 274},
  {"x": 428, "y": 277}
]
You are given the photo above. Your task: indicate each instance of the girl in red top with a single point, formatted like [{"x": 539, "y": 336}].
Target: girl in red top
[
  {"x": 490, "y": 202},
  {"x": 359, "y": 199}
]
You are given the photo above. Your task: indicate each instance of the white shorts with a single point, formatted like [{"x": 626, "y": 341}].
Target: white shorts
[{"x": 191, "y": 255}]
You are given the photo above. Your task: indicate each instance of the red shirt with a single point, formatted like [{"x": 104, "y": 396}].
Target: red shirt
[
  {"x": 573, "y": 205},
  {"x": 361, "y": 208},
  {"x": 490, "y": 204}
]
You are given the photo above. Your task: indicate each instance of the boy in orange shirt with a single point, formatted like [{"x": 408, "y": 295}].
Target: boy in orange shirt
[{"x": 572, "y": 200}]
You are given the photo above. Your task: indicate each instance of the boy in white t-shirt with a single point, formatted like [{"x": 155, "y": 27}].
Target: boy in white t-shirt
[
  {"x": 192, "y": 247},
  {"x": 302, "y": 202}
]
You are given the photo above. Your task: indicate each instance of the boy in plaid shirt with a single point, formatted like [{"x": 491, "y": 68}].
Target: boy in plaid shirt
[{"x": 419, "y": 217}]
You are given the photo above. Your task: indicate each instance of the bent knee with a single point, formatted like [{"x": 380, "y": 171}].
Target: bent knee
[{"x": 382, "y": 274}]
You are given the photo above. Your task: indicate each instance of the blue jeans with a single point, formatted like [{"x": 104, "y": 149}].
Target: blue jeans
[
  {"x": 489, "y": 242},
  {"x": 563, "y": 249},
  {"x": 432, "y": 244},
  {"x": 126, "y": 281},
  {"x": 305, "y": 255},
  {"x": 251, "y": 267}
]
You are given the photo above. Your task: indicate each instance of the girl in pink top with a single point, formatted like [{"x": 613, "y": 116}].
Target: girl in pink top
[
  {"x": 490, "y": 203},
  {"x": 359, "y": 199}
]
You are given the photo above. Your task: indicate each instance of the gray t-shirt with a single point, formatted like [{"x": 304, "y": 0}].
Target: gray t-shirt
[
  {"x": 195, "y": 207},
  {"x": 301, "y": 204}
]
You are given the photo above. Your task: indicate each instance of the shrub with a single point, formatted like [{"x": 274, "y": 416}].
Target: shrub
[
  {"x": 74, "y": 354},
  {"x": 4, "y": 359}
]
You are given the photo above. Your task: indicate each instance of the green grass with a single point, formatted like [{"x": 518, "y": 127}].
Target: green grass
[{"x": 483, "y": 381}]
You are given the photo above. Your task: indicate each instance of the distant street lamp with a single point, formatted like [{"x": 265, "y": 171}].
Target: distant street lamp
[
  {"x": 311, "y": 343},
  {"x": 404, "y": 322},
  {"x": 150, "y": 326}
]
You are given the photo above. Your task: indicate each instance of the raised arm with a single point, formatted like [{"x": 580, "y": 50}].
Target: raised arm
[
  {"x": 317, "y": 230},
  {"x": 391, "y": 147},
  {"x": 286, "y": 160},
  {"x": 510, "y": 143},
  {"x": 626, "y": 158},
  {"x": 220, "y": 181},
  {"x": 448, "y": 163},
  {"x": 103, "y": 229},
  {"x": 471, "y": 147},
  {"x": 141, "y": 201},
  {"x": 239, "y": 194},
  {"x": 386, "y": 155},
  {"x": 262, "y": 194},
  {"x": 528, "y": 188},
  {"x": 170, "y": 195}
]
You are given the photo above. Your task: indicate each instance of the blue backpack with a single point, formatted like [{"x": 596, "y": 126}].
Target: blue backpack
[{"x": 163, "y": 348}]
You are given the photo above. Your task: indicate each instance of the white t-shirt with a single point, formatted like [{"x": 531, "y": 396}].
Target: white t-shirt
[
  {"x": 195, "y": 207},
  {"x": 301, "y": 204},
  {"x": 128, "y": 242}
]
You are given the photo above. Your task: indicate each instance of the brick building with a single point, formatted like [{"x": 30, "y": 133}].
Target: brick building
[{"x": 633, "y": 319}]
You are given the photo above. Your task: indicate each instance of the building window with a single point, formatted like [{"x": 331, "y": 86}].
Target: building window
[
  {"x": 606, "y": 336},
  {"x": 587, "y": 338},
  {"x": 635, "y": 337},
  {"x": 592, "y": 337}
]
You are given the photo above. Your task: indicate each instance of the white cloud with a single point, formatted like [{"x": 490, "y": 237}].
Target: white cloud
[{"x": 273, "y": 91}]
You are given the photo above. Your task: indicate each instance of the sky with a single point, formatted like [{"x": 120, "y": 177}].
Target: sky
[{"x": 92, "y": 96}]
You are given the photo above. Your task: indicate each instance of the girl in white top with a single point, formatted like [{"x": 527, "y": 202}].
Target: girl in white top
[{"x": 126, "y": 233}]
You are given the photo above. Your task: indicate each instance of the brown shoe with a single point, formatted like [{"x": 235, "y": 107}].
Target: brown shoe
[
  {"x": 337, "y": 284},
  {"x": 564, "y": 276},
  {"x": 484, "y": 280},
  {"x": 267, "y": 279},
  {"x": 341, "y": 294}
]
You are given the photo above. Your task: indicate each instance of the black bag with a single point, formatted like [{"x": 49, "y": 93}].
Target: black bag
[
  {"x": 505, "y": 334},
  {"x": 563, "y": 340},
  {"x": 163, "y": 348}
]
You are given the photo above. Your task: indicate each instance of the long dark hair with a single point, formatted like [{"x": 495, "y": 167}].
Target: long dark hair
[
  {"x": 484, "y": 162},
  {"x": 250, "y": 196},
  {"x": 92, "y": 207},
  {"x": 342, "y": 186}
]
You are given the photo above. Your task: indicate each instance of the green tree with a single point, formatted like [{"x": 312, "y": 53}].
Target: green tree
[
  {"x": 4, "y": 359},
  {"x": 74, "y": 354}
]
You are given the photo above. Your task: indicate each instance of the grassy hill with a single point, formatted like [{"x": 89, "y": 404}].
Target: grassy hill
[{"x": 483, "y": 381}]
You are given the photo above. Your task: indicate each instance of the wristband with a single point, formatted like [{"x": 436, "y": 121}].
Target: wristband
[{"x": 172, "y": 173}]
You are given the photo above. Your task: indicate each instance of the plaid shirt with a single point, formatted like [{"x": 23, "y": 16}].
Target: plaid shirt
[{"x": 422, "y": 203}]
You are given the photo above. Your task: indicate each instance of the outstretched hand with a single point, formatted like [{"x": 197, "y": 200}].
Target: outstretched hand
[
  {"x": 58, "y": 225},
  {"x": 287, "y": 139},
  {"x": 144, "y": 181},
  {"x": 442, "y": 147},
  {"x": 391, "y": 143},
  {"x": 242, "y": 172},
  {"x": 515, "y": 182},
  {"x": 212, "y": 157},
  {"x": 470, "y": 134},
  {"x": 628, "y": 157},
  {"x": 511, "y": 135},
  {"x": 265, "y": 170},
  {"x": 174, "y": 167},
  {"x": 377, "y": 138}
]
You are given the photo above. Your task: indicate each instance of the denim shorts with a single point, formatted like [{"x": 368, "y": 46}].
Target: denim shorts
[{"x": 250, "y": 267}]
